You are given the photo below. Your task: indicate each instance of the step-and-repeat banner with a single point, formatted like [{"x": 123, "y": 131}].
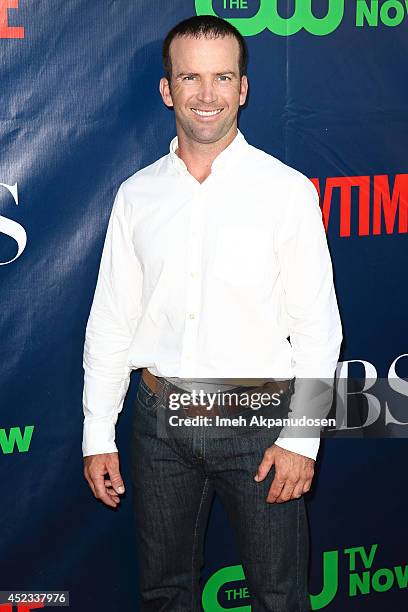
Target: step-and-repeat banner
[{"x": 80, "y": 112}]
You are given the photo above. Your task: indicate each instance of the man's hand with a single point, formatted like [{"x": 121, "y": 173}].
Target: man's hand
[
  {"x": 293, "y": 474},
  {"x": 95, "y": 468}
]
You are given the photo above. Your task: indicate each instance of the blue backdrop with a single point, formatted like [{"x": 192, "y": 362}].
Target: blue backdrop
[{"x": 80, "y": 112}]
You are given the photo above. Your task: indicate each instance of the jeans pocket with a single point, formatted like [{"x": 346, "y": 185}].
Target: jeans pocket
[{"x": 146, "y": 398}]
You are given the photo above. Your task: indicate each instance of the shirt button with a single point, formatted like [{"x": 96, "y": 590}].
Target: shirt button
[
  {"x": 193, "y": 274},
  {"x": 191, "y": 315}
]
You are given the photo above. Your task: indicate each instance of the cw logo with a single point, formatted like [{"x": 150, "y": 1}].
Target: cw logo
[
  {"x": 268, "y": 17},
  {"x": 218, "y": 582}
]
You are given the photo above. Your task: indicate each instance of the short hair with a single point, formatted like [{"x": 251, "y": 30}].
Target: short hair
[{"x": 204, "y": 26}]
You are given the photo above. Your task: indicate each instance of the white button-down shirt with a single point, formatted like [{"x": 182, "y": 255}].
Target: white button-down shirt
[{"x": 208, "y": 280}]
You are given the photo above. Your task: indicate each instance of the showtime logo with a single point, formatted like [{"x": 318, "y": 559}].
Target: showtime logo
[
  {"x": 267, "y": 15},
  {"x": 7, "y": 31},
  {"x": 378, "y": 207}
]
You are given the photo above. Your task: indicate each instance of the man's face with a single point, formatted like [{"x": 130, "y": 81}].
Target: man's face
[{"x": 206, "y": 90}]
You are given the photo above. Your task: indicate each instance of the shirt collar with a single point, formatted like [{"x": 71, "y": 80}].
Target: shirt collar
[{"x": 223, "y": 159}]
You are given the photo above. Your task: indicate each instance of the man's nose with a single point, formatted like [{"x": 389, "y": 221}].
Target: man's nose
[{"x": 207, "y": 91}]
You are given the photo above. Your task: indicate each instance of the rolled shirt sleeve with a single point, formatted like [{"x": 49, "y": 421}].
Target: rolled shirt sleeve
[
  {"x": 110, "y": 328},
  {"x": 313, "y": 318}
]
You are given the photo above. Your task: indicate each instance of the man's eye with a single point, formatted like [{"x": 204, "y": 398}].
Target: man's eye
[
  {"x": 189, "y": 77},
  {"x": 224, "y": 77}
]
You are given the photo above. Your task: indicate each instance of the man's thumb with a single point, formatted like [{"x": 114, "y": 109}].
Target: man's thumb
[
  {"x": 265, "y": 465},
  {"x": 117, "y": 482}
]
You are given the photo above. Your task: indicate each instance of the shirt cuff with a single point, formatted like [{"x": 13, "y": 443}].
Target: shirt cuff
[
  {"x": 308, "y": 447},
  {"x": 98, "y": 436}
]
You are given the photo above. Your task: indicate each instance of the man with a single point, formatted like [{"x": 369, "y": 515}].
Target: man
[{"x": 215, "y": 255}]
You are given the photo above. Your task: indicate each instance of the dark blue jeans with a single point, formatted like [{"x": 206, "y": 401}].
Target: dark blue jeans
[{"x": 174, "y": 480}]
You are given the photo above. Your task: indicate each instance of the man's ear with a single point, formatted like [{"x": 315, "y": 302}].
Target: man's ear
[
  {"x": 244, "y": 90},
  {"x": 164, "y": 87}
]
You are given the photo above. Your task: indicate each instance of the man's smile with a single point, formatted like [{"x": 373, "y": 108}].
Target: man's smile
[{"x": 205, "y": 113}]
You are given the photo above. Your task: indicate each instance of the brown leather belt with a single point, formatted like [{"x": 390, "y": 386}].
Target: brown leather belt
[{"x": 155, "y": 384}]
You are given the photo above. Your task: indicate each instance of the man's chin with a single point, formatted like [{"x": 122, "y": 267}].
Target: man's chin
[{"x": 208, "y": 135}]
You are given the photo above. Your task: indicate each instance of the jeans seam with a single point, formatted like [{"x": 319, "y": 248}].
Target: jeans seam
[
  {"x": 298, "y": 554},
  {"x": 144, "y": 399},
  {"x": 145, "y": 387},
  {"x": 162, "y": 390},
  {"x": 203, "y": 495},
  {"x": 202, "y": 443}
]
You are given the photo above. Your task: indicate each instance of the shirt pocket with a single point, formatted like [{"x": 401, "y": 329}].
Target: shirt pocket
[{"x": 241, "y": 255}]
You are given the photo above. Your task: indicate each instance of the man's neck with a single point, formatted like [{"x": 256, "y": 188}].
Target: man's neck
[{"x": 199, "y": 157}]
